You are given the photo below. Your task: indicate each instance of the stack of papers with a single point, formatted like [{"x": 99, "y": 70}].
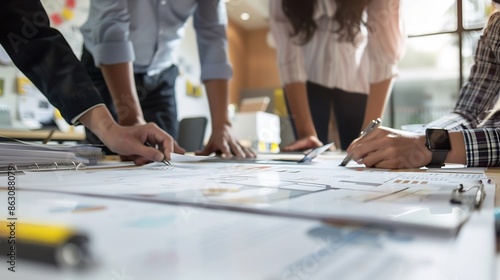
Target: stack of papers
[
  {"x": 402, "y": 223},
  {"x": 327, "y": 193},
  {"x": 26, "y": 155}
]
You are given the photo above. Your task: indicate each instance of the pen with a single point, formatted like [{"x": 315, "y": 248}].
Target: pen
[
  {"x": 166, "y": 162},
  {"x": 315, "y": 152},
  {"x": 373, "y": 124},
  {"x": 49, "y": 137}
]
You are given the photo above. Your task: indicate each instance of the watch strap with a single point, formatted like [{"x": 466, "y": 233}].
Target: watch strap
[{"x": 438, "y": 159}]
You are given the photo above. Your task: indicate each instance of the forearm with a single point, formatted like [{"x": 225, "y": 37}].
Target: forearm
[
  {"x": 296, "y": 94},
  {"x": 222, "y": 139},
  {"x": 99, "y": 121},
  {"x": 121, "y": 84},
  {"x": 377, "y": 100},
  {"x": 218, "y": 101}
]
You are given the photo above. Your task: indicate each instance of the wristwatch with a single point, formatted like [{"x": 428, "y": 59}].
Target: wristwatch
[{"x": 437, "y": 141}]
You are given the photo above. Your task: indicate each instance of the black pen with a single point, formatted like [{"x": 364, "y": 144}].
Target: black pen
[
  {"x": 166, "y": 162},
  {"x": 373, "y": 124}
]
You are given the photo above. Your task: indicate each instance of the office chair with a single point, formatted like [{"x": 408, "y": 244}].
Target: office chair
[{"x": 192, "y": 133}]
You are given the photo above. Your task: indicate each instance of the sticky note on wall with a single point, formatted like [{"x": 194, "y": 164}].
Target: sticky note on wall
[
  {"x": 67, "y": 14},
  {"x": 22, "y": 85},
  {"x": 279, "y": 103}
]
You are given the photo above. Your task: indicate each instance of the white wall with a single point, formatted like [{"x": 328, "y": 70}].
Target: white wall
[{"x": 9, "y": 97}]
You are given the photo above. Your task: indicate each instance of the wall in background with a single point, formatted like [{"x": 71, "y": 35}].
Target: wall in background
[
  {"x": 187, "y": 57},
  {"x": 238, "y": 51},
  {"x": 189, "y": 66},
  {"x": 262, "y": 61},
  {"x": 253, "y": 60},
  {"x": 8, "y": 97}
]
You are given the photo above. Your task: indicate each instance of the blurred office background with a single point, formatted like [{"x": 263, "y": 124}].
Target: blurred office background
[
  {"x": 442, "y": 40},
  {"x": 441, "y": 44}
]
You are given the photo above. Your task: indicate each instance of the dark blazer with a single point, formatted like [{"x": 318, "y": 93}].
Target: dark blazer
[{"x": 45, "y": 57}]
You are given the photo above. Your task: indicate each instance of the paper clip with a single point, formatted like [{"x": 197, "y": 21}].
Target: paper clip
[{"x": 457, "y": 195}]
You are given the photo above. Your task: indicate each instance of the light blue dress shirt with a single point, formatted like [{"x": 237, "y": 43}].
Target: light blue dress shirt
[{"x": 147, "y": 32}]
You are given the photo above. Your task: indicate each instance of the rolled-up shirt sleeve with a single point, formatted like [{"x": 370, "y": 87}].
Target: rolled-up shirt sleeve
[
  {"x": 210, "y": 22},
  {"x": 387, "y": 38},
  {"x": 44, "y": 56},
  {"x": 451, "y": 121},
  {"x": 290, "y": 56},
  {"x": 106, "y": 32},
  {"x": 482, "y": 147}
]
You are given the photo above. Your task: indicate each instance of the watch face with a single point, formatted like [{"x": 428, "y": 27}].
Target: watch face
[{"x": 438, "y": 139}]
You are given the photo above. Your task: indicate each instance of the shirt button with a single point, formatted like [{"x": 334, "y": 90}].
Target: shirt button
[{"x": 163, "y": 2}]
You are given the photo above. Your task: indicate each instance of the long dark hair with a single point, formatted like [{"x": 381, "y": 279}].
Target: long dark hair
[{"x": 348, "y": 15}]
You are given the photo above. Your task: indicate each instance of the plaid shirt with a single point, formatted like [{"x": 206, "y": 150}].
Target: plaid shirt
[{"x": 477, "y": 97}]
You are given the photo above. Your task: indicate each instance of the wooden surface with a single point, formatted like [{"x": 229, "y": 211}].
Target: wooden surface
[{"x": 41, "y": 135}]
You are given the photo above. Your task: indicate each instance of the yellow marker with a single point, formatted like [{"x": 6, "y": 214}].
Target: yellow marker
[
  {"x": 262, "y": 146},
  {"x": 198, "y": 92},
  {"x": 275, "y": 148},
  {"x": 51, "y": 244},
  {"x": 22, "y": 83},
  {"x": 189, "y": 88}
]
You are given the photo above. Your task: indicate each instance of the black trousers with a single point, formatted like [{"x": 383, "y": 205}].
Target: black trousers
[
  {"x": 348, "y": 107},
  {"x": 156, "y": 95}
]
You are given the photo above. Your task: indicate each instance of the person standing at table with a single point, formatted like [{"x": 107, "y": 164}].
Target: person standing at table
[
  {"x": 44, "y": 56},
  {"x": 128, "y": 53},
  {"x": 469, "y": 135},
  {"x": 339, "y": 54}
]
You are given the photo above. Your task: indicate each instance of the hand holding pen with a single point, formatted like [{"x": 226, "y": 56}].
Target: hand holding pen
[
  {"x": 372, "y": 126},
  {"x": 166, "y": 162}
]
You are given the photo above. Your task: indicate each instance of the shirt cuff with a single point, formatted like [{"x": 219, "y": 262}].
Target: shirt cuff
[
  {"x": 379, "y": 72},
  {"x": 113, "y": 53},
  {"x": 481, "y": 147},
  {"x": 451, "y": 121},
  {"x": 216, "y": 71},
  {"x": 291, "y": 72},
  {"x": 76, "y": 120}
]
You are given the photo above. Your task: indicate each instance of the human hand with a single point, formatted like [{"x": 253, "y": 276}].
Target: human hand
[
  {"x": 128, "y": 142},
  {"x": 309, "y": 142},
  {"x": 130, "y": 121},
  {"x": 390, "y": 148},
  {"x": 223, "y": 141}
]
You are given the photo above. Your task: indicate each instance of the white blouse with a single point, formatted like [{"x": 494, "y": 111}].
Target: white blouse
[{"x": 325, "y": 61}]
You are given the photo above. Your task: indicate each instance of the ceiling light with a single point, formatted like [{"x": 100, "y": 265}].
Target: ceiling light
[{"x": 245, "y": 16}]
